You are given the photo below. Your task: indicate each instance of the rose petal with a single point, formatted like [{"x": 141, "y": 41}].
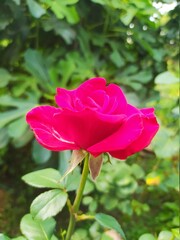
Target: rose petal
[
  {"x": 123, "y": 137},
  {"x": 73, "y": 99},
  {"x": 64, "y": 98},
  {"x": 150, "y": 128},
  {"x": 40, "y": 120},
  {"x": 148, "y": 112},
  {"x": 114, "y": 90},
  {"x": 87, "y": 127},
  {"x": 41, "y": 117},
  {"x": 131, "y": 110},
  {"x": 89, "y": 86}
]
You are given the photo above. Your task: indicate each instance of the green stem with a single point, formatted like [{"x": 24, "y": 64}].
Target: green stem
[{"x": 77, "y": 201}]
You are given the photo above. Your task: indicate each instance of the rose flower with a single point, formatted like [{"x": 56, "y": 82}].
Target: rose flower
[{"x": 94, "y": 117}]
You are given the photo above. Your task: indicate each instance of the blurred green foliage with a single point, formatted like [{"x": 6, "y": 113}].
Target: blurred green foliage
[{"x": 45, "y": 44}]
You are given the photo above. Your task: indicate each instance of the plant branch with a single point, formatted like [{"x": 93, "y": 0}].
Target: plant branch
[{"x": 77, "y": 201}]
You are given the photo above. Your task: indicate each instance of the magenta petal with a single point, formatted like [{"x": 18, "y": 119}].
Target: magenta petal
[
  {"x": 41, "y": 117},
  {"x": 148, "y": 112},
  {"x": 121, "y": 154},
  {"x": 74, "y": 99},
  {"x": 124, "y": 136},
  {"x": 64, "y": 98},
  {"x": 91, "y": 85},
  {"x": 87, "y": 127},
  {"x": 150, "y": 128},
  {"x": 114, "y": 91},
  {"x": 131, "y": 110},
  {"x": 40, "y": 120},
  {"x": 49, "y": 141}
]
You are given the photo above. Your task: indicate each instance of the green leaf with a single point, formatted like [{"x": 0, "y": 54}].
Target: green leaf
[
  {"x": 8, "y": 101},
  {"x": 64, "y": 157},
  {"x": 117, "y": 59},
  {"x": 48, "y": 204},
  {"x": 89, "y": 187},
  {"x": 11, "y": 115},
  {"x": 61, "y": 10},
  {"x": 22, "y": 106},
  {"x": 71, "y": 15},
  {"x": 67, "y": 67},
  {"x": 165, "y": 235},
  {"x": 127, "y": 17},
  {"x": 176, "y": 233},
  {"x": 72, "y": 180},
  {"x": 36, "y": 65},
  {"x": 62, "y": 29},
  {"x": 17, "y": 128},
  {"x": 4, "y": 138},
  {"x": 109, "y": 222},
  {"x": 142, "y": 77},
  {"x": 5, "y": 77},
  {"x": 137, "y": 171},
  {"x": 23, "y": 139},
  {"x": 164, "y": 145},
  {"x": 166, "y": 78},
  {"x": 3, "y": 237},
  {"x": 40, "y": 154},
  {"x": 147, "y": 236},
  {"x": 35, "y": 9},
  {"x": 46, "y": 178},
  {"x": 106, "y": 237},
  {"x": 80, "y": 234},
  {"x": 36, "y": 229}
]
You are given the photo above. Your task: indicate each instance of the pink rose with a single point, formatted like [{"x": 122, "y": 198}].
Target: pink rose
[{"x": 94, "y": 117}]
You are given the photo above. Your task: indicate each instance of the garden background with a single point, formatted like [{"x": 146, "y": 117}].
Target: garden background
[{"x": 47, "y": 44}]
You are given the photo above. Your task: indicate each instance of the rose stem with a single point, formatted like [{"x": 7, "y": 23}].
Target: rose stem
[{"x": 77, "y": 201}]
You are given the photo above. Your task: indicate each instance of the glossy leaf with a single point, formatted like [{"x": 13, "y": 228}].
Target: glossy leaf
[
  {"x": 48, "y": 204},
  {"x": 46, "y": 178},
  {"x": 110, "y": 222},
  {"x": 36, "y": 229}
]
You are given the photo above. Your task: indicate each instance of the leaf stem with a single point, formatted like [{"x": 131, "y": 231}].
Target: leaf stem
[{"x": 77, "y": 201}]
